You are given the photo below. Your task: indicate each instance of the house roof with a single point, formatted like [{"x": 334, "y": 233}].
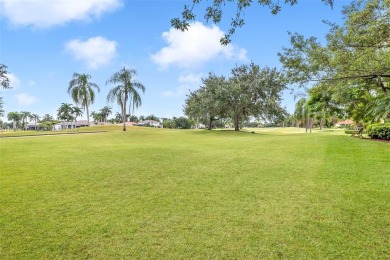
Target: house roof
[
  {"x": 149, "y": 121},
  {"x": 346, "y": 122}
]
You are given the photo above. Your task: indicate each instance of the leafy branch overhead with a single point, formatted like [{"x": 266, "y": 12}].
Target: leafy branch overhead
[
  {"x": 215, "y": 12},
  {"x": 4, "y": 80},
  {"x": 355, "y": 52}
]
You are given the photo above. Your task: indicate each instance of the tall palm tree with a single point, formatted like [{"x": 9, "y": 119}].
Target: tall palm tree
[
  {"x": 64, "y": 113},
  {"x": 118, "y": 117},
  {"x": 82, "y": 91},
  {"x": 105, "y": 112},
  {"x": 126, "y": 89},
  {"x": 35, "y": 118},
  {"x": 25, "y": 115},
  {"x": 15, "y": 117},
  {"x": 76, "y": 111}
]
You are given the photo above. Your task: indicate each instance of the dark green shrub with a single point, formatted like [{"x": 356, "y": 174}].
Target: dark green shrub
[{"x": 379, "y": 131}]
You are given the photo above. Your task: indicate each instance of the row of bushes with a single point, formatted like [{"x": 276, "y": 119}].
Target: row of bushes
[{"x": 379, "y": 131}]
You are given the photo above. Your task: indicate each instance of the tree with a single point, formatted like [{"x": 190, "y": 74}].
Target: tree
[
  {"x": 182, "y": 122},
  {"x": 254, "y": 91},
  {"x": 250, "y": 91},
  {"x": 76, "y": 112},
  {"x": 1, "y": 107},
  {"x": 15, "y": 117},
  {"x": 4, "y": 80},
  {"x": 82, "y": 91},
  {"x": 127, "y": 88},
  {"x": 206, "y": 103},
  {"x": 35, "y": 118},
  {"x": 25, "y": 115},
  {"x": 118, "y": 117},
  {"x": 214, "y": 12},
  {"x": 354, "y": 62},
  {"x": 379, "y": 108},
  {"x": 105, "y": 112},
  {"x": 152, "y": 117},
  {"x": 65, "y": 113},
  {"x": 47, "y": 122},
  {"x": 4, "y": 83}
]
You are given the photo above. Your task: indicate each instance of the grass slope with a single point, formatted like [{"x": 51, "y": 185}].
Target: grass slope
[{"x": 157, "y": 193}]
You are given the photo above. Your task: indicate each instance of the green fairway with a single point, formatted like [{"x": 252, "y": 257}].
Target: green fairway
[{"x": 178, "y": 194}]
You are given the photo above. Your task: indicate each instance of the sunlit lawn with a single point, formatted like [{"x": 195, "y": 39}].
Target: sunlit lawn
[{"x": 175, "y": 194}]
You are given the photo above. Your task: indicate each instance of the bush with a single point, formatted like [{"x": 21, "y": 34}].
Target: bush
[
  {"x": 379, "y": 131},
  {"x": 353, "y": 132}
]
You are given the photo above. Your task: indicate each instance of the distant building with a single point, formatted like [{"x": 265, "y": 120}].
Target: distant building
[
  {"x": 70, "y": 125},
  {"x": 345, "y": 123},
  {"x": 152, "y": 123}
]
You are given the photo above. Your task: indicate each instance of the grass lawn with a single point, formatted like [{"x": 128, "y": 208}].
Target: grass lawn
[{"x": 174, "y": 194}]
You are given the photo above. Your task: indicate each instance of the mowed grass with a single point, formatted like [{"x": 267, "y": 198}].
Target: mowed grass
[{"x": 174, "y": 194}]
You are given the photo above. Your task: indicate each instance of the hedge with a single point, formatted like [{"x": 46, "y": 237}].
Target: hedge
[
  {"x": 379, "y": 131},
  {"x": 353, "y": 132}
]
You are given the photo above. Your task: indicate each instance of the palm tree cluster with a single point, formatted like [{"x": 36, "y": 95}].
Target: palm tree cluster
[
  {"x": 68, "y": 113},
  {"x": 20, "y": 119},
  {"x": 124, "y": 93}
]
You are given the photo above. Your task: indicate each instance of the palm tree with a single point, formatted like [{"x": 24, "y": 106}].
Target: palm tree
[
  {"x": 76, "y": 111},
  {"x": 25, "y": 115},
  {"x": 35, "y": 118},
  {"x": 127, "y": 88},
  {"x": 15, "y": 117},
  {"x": 82, "y": 91},
  {"x": 64, "y": 113},
  {"x": 118, "y": 117},
  {"x": 105, "y": 112}
]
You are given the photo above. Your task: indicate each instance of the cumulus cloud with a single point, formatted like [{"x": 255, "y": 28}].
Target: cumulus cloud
[
  {"x": 25, "y": 99},
  {"x": 44, "y": 14},
  {"x": 14, "y": 82},
  {"x": 187, "y": 82},
  {"x": 195, "y": 47},
  {"x": 95, "y": 51}
]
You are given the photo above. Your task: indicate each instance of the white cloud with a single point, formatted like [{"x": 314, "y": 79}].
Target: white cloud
[
  {"x": 44, "y": 14},
  {"x": 95, "y": 51},
  {"x": 14, "y": 82},
  {"x": 24, "y": 99},
  {"x": 187, "y": 82},
  {"x": 195, "y": 47}
]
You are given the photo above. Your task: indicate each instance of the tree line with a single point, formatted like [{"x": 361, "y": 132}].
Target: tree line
[
  {"x": 250, "y": 91},
  {"x": 82, "y": 91}
]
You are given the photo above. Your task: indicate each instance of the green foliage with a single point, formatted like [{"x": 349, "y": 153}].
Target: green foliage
[
  {"x": 379, "y": 131},
  {"x": 82, "y": 91},
  {"x": 4, "y": 80},
  {"x": 126, "y": 90},
  {"x": 250, "y": 91},
  {"x": 215, "y": 11},
  {"x": 353, "y": 66},
  {"x": 182, "y": 123}
]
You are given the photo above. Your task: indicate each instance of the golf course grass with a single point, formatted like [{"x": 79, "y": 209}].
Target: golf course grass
[{"x": 177, "y": 194}]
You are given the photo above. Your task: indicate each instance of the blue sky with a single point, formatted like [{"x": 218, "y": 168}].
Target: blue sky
[{"x": 44, "y": 42}]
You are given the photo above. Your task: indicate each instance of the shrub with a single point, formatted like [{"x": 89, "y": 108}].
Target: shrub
[
  {"x": 350, "y": 132},
  {"x": 379, "y": 131}
]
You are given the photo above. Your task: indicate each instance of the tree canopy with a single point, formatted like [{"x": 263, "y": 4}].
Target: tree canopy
[
  {"x": 215, "y": 12},
  {"x": 82, "y": 91},
  {"x": 354, "y": 63},
  {"x": 250, "y": 91},
  {"x": 4, "y": 80},
  {"x": 126, "y": 90}
]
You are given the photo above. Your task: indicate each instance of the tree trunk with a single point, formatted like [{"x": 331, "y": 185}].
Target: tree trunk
[
  {"x": 236, "y": 123},
  {"x": 124, "y": 112},
  {"x": 311, "y": 123},
  {"x": 210, "y": 121},
  {"x": 86, "y": 108}
]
